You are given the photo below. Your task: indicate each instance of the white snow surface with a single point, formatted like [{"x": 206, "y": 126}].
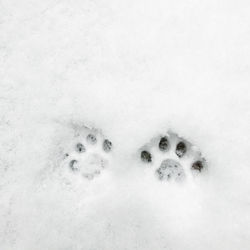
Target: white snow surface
[{"x": 133, "y": 69}]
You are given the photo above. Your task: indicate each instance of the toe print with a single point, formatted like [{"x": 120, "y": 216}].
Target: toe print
[
  {"x": 163, "y": 144},
  {"x": 73, "y": 165},
  {"x": 181, "y": 149},
  {"x": 91, "y": 139},
  {"x": 172, "y": 157},
  {"x": 146, "y": 156},
  {"x": 80, "y": 148},
  {"x": 198, "y": 165},
  {"x": 88, "y": 153},
  {"x": 107, "y": 145}
]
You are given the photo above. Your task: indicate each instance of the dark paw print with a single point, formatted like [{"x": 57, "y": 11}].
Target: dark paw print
[{"x": 173, "y": 154}]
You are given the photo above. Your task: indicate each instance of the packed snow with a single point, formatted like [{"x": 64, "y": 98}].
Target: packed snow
[{"x": 133, "y": 70}]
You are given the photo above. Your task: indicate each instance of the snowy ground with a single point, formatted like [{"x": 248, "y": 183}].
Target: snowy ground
[{"x": 133, "y": 69}]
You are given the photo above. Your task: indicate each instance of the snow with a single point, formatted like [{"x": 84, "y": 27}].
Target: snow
[{"x": 133, "y": 69}]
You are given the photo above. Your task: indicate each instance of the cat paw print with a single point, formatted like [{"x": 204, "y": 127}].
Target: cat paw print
[
  {"x": 172, "y": 157},
  {"x": 88, "y": 153}
]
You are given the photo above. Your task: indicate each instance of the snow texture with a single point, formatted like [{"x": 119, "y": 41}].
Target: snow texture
[{"x": 133, "y": 70}]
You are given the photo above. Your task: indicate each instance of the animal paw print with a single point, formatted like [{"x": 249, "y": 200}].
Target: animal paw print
[
  {"x": 172, "y": 157},
  {"x": 88, "y": 153}
]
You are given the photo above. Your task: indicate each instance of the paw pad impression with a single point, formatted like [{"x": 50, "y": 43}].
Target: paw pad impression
[
  {"x": 172, "y": 157},
  {"x": 87, "y": 153}
]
